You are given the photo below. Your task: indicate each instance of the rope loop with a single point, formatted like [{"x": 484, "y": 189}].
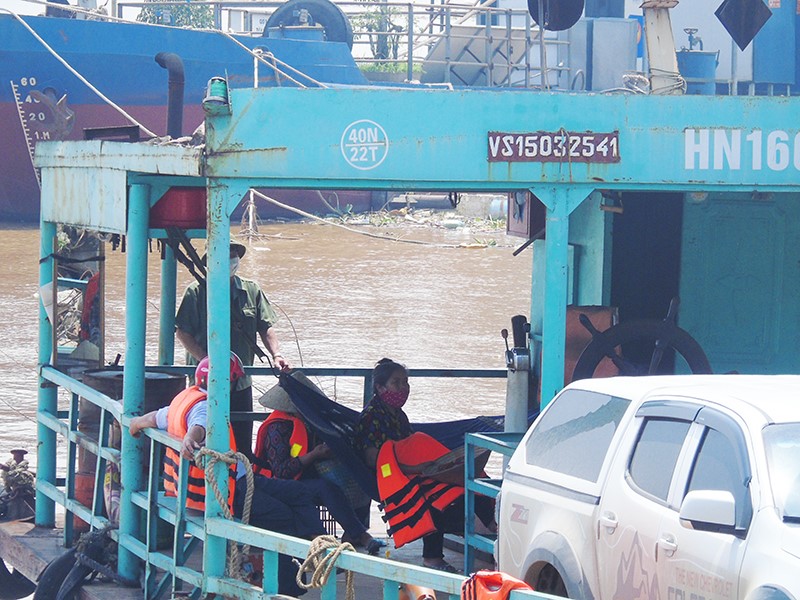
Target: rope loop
[
  {"x": 321, "y": 563},
  {"x": 230, "y": 458}
]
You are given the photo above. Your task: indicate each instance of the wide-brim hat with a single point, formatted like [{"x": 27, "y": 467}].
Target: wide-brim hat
[
  {"x": 240, "y": 250},
  {"x": 277, "y": 398}
]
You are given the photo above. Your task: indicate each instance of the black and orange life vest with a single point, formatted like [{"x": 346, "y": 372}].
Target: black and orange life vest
[
  {"x": 176, "y": 425},
  {"x": 408, "y": 500},
  {"x": 298, "y": 442},
  {"x": 491, "y": 585}
]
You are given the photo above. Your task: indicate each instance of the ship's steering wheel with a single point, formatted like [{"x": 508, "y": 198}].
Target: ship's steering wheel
[{"x": 661, "y": 335}]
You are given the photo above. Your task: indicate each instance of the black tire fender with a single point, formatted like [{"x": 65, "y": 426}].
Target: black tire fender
[
  {"x": 558, "y": 14},
  {"x": 54, "y": 575},
  {"x": 551, "y": 548},
  {"x": 13, "y": 584},
  {"x": 332, "y": 18}
]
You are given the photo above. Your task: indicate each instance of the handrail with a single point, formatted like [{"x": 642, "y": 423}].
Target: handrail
[
  {"x": 162, "y": 511},
  {"x": 503, "y": 443},
  {"x": 398, "y": 37}
]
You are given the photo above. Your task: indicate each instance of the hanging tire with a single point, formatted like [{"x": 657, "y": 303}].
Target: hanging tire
[
  {"x": 667, "y": 335},
  {"x": 332, "y": 18},
  {"x": 53, "y": 576},
  {"x": 13, "y": 584},
  {"x": 558, "y": 14}
]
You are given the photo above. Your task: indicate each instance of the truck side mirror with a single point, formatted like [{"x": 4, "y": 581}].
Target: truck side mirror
[{"x": 709, "y": 510}]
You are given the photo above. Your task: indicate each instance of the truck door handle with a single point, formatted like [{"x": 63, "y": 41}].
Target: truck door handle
[
  {"x": 609, "y": 521},
  {"x": 667, "y": 544}
]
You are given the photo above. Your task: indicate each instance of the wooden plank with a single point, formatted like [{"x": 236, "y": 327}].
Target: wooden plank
[
  {"x": 109, "y": 591},
  {"x": 29, "y": 548}
]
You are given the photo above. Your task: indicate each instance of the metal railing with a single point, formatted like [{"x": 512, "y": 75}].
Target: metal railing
[
  {"x": 447, "y": 43},
  {"x": 503, "y": 443},
  {"x": 167, "y": 565}
]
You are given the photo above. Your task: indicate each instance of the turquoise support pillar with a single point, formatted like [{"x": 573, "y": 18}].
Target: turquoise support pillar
[
  {"x": 219, "y": 345},
  {"x": 166, "y": 331},
  {"x": 134, "y": 457},
  {"x": 560, "y": 202},
  {"x": 48, "y": 395},
  {"x": 555, "y": 300}
]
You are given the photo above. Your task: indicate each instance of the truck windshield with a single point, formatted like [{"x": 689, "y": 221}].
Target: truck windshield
[{"x": 782, "y": 443}]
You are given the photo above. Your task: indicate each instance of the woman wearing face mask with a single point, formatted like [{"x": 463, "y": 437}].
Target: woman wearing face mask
[{"x": 415, "y": 506}]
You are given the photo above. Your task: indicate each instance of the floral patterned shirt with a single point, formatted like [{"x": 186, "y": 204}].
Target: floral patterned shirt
[{"x": 378, "y": 424}]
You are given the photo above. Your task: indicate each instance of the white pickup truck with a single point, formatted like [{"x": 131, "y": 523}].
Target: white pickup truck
[{"x": 668, "y": 487}]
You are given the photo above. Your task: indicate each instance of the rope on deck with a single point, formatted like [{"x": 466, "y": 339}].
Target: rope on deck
[
  {"x": 235, "y": 555},
  {"x": 321, "y": 563}
]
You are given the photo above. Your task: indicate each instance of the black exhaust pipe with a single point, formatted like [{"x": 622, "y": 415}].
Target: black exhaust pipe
[{"x": 174, "y": 65}]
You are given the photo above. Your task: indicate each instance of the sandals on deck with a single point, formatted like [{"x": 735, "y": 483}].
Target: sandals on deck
[{"x": 375, "y": 546}]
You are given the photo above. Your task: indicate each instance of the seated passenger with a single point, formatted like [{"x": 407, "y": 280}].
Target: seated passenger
[
  {"x": 415, "y": 506},
  {"x": 287, "y": 449},
  {"x": 281, "y": 506}
]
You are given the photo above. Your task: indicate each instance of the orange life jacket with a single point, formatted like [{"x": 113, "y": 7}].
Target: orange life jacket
[
  {"x": 408, "y": 500},
  {"x": 491, "y": 585},
  {"x": 176, "y": 425},
  {"x": 89, "y": 299},
  {"x": 298, "y": 442}
]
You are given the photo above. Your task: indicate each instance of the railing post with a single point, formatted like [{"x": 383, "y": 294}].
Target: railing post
[
  {"x": 410, "y": 37},
  {"x": 447, "y": 48},
  {"x": 166, "y": 313},
  {"x": 489, "y": 53},
  {"x": 528, "y": 47},
  {"x": 509, "y": 48},
  {"x": 219, "y": 344},
  {"x": 48, "y": 397},
  {"x": 133, "y": 450}
]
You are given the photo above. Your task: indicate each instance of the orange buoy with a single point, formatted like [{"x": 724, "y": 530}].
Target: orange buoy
[{"x": 491, "y": 585}]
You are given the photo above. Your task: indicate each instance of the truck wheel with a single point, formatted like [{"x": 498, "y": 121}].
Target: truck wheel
[
  {"x": 14, "y": 584},
  {"x": 550, "y": 582}
]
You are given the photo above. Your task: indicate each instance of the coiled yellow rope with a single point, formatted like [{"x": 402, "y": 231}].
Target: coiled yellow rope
[
  {"x": 235, "y": 555},
  {"x": 321, "y": 563}
]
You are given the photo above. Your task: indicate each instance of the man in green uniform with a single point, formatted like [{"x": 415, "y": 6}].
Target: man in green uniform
[{"x": 252, "y": 316}]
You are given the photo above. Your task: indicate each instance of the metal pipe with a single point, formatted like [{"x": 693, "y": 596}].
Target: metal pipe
[
  {"x": 174, "y": 65},
  {"x": 134, "y": 457}
]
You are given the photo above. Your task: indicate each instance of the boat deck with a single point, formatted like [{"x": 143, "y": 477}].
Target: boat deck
[{"x": 29, "y": 549}]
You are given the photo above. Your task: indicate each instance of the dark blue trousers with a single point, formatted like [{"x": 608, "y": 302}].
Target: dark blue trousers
[
  {"x": 284, "y": 506},
  {"x": 328, "y": 494}
]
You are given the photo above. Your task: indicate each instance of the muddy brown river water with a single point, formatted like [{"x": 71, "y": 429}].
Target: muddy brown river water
[{"x": 345, "y": 300}]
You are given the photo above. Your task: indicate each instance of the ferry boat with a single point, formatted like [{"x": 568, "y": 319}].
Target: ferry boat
[{"x": 733, "y": 168}]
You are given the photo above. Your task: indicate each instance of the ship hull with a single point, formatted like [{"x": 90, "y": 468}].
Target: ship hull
[{"x": 40, "y": 99}]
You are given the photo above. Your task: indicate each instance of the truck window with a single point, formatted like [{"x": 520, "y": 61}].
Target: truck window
[
  {"x": 574, "y": 434},
  {"x": 656, "y": 454},
  {"x": 716, "y": 468}
]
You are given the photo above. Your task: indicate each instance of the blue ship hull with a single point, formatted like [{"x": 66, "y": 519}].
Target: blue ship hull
[{"x": 40, "y": 99}]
